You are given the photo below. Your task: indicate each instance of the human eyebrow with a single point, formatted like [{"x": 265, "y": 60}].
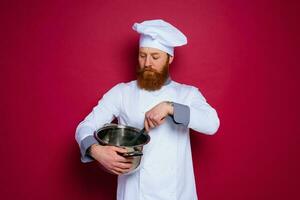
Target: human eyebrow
[{"x": 152, "y": 54}]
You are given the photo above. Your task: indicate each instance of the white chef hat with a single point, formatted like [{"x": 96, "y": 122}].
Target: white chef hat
[{"x": 160, "y": 35}]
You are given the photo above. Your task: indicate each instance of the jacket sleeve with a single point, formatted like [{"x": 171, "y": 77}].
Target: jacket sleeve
[
  {"x": 104, "y": 112},
  {"x": 203, "y": 118},
  {"x": 181, "y": 114}
]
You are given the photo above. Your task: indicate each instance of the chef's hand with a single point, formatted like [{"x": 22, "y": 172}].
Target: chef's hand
[
  {"x": 156, "y": 116},
  {"x": 109, "y": 158}
]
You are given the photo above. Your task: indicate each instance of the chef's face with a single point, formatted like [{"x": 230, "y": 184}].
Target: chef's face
[
  {"x": 153, "y": 69},
  {"x": 153, "y": 58}
]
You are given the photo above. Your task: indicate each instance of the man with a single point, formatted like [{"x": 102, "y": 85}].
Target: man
[{"x": 166, "y": 109}]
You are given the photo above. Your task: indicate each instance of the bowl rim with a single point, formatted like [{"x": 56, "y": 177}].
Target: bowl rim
[{"x": 120, "y": 126}]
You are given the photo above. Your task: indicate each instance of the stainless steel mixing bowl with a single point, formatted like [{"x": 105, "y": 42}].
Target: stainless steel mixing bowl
[{"x": 121, "y": 136}]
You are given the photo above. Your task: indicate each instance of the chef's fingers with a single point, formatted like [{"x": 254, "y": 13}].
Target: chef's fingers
[
  {"x": 146, "y": 125},
  {"x": 150, "y": 119},
  {"x": 119, "y": 149},
  {"x": 161, "y": 121},
  {"x": 121, "y": 171},
  {"x": 115, "y": 172},
  {"x": 122, "y": 165},
  {"x": 112, "y": 170},
  {"x": 121, "y": 158},
  {"x": 154, "y": 119},
  {"x": 154, "y": 123},
  {"x": 127, "y": 160},
  {"x": 150, "y": 123}
]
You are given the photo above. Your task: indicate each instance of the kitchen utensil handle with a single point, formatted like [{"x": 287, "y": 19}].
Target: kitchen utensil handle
[{"x": 132, "y": 154}]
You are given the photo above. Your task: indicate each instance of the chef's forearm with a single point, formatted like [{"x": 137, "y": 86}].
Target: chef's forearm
[
  {"x": 84, "y": 146},
  {"x": 85, "y": 138},
  {"x": 203, "y": 117},
  {"x": 204, "y": 120}
]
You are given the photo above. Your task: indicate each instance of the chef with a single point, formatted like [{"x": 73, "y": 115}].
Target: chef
[{"x": 166, "y": 108}]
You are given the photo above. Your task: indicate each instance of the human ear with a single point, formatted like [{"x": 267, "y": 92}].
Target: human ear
[{"x": 171, "y": 59}]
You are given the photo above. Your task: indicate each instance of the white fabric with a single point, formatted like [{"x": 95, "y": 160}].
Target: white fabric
[
  {"x": 159, "y": 34},
  {"x": 166, "y": 169}
]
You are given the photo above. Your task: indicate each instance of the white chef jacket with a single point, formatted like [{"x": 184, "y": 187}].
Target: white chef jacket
[{"x": 166, "y": 168}]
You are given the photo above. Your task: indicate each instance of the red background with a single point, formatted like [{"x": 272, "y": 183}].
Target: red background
[{"x": 59, "y": 57}]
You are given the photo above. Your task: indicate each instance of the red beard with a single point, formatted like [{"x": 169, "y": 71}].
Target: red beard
[{"x": 150, "y": 79}]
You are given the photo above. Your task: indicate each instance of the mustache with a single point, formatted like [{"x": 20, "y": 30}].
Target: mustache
[{"x": 145, "y": 69}]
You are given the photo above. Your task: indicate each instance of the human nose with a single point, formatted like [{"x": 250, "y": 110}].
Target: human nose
[{"x": 148, "y": 61}]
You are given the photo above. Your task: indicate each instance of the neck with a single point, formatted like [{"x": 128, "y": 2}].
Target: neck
[{"x": 168, "y": 80}]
